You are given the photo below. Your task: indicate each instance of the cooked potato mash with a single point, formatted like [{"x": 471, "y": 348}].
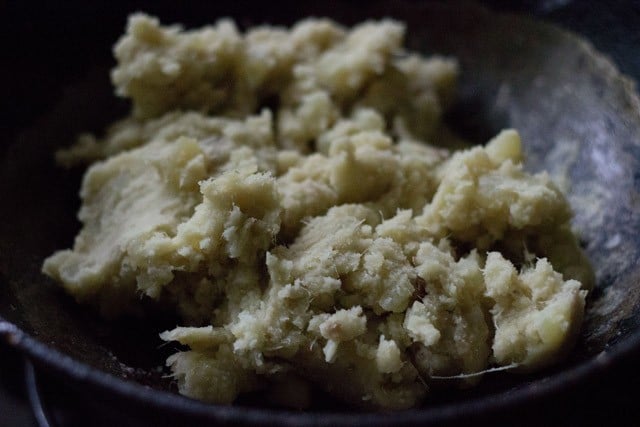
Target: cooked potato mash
[{"x": 283, "y": 191}]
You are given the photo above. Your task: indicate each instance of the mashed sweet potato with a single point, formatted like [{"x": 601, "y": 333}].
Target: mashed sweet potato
[{"x": 281, "y": 190}]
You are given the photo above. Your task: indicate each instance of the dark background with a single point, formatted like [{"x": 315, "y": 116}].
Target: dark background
[{"x": 39, "y": 42}]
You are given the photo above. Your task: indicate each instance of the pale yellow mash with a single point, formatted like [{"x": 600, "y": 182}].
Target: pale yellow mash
[{"x": 282, "y": 191}]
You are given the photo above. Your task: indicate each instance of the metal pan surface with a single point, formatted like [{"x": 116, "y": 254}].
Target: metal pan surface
[{"x": 579, "y": 118}]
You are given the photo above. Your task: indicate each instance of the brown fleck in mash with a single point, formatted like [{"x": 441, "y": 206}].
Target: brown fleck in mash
[{"x": 278, "y": 188}]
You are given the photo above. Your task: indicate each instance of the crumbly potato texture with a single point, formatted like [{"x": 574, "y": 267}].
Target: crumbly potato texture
[{"x": 287, "y": 193}]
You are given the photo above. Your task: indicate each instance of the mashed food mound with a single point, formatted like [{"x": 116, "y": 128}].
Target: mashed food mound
[{"x": 287, "y": 193}]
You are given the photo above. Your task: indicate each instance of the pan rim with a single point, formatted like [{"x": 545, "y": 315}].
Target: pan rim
[{"x": 57, "y": 362}]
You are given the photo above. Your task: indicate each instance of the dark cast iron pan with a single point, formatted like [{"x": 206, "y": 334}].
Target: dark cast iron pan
[{"x": 578, "y": 116}]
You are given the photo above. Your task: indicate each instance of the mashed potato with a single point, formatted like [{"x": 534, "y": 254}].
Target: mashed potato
[{"x": 282, "y": 191}]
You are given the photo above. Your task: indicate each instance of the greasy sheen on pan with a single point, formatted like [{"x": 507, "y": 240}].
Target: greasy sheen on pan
[{"x": 295, "y": 197}]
